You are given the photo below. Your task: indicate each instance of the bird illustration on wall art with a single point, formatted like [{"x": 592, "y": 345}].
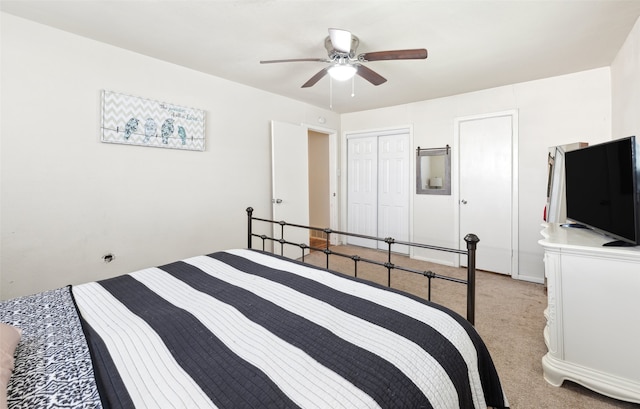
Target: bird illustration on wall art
[
  {"x": 130, "y": 127},
  {"x": 166, "y": 130}
]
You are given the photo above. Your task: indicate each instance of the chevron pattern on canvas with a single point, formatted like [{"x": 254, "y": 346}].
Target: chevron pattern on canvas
[{"x": 138, "y": 121}]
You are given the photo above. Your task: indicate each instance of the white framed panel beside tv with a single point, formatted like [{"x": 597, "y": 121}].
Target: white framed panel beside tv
[{"x": 556, "y": 211}]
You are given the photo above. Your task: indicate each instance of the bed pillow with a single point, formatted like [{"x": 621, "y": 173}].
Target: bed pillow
[{"x": 9, "y": 338}]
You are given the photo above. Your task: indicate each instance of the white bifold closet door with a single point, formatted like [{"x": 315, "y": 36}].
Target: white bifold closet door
[{"x": 378, "y": 188}]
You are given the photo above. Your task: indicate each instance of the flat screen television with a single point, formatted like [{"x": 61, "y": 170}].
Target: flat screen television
[{"x": 603, "y": 189}]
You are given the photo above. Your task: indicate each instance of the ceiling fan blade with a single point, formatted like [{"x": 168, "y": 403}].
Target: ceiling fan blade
[
  {"x": 370, "y": 75},
  {"x": 295, "y": 60},
  {"x": 340, "y": 39},
  {"x": 312, "y": 81},
  {"x": 413, "y": 54}
]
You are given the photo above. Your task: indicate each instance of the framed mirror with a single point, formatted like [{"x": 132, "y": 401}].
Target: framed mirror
[{"x": 433, "y": 171}]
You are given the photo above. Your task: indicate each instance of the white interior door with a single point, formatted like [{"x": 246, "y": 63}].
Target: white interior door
[
  {"x": 393, "y": 189},
  {"x": 290, "y": 183},
  {"x": 378, "y": 183},
  {"x": 486, "y": 189},
  {"x": 362, "y": 189}
]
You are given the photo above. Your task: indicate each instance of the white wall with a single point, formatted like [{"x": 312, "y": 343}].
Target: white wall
[
  {"x": 67, "y": 199},
  {"x": 552, "y": 111},
  {"x": 625, "y": 87}
]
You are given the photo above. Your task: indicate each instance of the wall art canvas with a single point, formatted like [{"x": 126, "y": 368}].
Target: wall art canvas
[{"x": 138, "y": 121}]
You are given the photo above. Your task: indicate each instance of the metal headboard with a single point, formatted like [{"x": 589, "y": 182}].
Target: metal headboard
[{"x": 471, "y": 240}]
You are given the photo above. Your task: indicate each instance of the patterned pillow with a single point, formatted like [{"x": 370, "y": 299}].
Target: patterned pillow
[
  {"x": 9, "y": 338},
  {"x": 52, "y": 362}
]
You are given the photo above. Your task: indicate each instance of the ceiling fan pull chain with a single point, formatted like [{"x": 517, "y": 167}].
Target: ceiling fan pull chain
[
  {"x": 330, "y": 93},
  {"x": 353, "y": 87}
]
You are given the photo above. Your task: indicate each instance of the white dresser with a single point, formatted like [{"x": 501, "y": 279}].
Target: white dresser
[{"x": 593, "y": 312}]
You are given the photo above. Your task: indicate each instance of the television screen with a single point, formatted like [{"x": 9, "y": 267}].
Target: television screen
[{"x": 602, "y": 188}]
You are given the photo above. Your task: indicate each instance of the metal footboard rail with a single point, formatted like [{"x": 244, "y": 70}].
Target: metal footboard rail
[{"x": 471, "y": 240}]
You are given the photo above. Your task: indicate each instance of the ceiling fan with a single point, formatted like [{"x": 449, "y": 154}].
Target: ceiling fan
[{"x": 341, "y": 47}]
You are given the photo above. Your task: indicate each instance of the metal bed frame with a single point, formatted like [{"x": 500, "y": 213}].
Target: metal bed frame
[{"x": 471, "y": 240}]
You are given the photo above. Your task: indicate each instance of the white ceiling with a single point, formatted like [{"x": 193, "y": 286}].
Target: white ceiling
[{"x": 472, "y": 45}]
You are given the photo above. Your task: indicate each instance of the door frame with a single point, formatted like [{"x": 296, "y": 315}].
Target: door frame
[
  {"x": 514, "y": 182},
  {"x": 344, "y": 177},
  {"x": 334, "y": 174}
]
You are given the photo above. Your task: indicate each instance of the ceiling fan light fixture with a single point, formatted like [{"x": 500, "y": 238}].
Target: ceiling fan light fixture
[{"x": 342, "y": 72}]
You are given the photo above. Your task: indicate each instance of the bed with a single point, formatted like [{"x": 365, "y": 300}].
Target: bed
[{"x": 244, "y": 328}]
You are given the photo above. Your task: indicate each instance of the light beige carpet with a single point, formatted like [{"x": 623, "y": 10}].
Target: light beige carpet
[{"x": 509, "y": 317}]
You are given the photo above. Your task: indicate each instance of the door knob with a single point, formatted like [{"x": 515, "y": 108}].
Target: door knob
[
  {"x": 463, "y": 201},
  {"x": 278, "y": 201}
]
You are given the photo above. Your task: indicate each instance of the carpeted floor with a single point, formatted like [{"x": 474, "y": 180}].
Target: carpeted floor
[{"x": 509, "y": 317}]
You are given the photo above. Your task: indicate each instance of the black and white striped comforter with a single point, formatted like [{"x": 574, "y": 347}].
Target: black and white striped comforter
[{"x": 245, "y": 329}]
